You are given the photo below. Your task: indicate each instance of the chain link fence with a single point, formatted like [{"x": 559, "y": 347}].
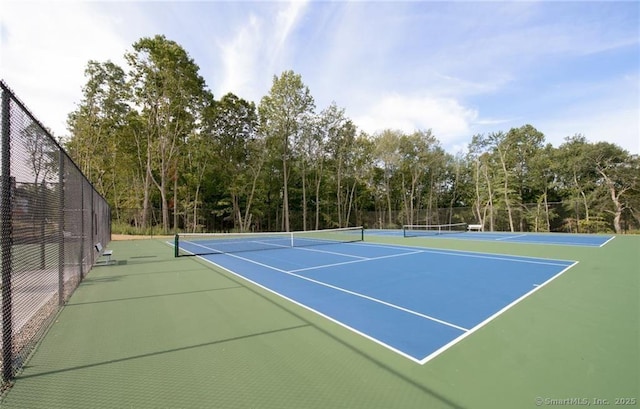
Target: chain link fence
[
  {"x": 51, "y": 217},
  {"x": 531, "y": 217}
]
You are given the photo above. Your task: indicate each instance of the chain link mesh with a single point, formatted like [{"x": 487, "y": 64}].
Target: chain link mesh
[{"x": 51, "y": 217}]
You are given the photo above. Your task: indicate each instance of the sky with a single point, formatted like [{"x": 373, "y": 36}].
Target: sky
[{"x": 459, "y": 68}]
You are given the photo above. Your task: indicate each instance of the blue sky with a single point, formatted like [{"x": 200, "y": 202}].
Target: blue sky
[{"x": 458, "y": 68}]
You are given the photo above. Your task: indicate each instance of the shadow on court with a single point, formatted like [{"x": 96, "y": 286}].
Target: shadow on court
[{"x": 161, "y": 332}]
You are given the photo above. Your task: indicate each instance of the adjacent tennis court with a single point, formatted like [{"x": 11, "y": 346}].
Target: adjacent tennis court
[
  {"x": 461, "y": 232},
  {"x": 414, "y": 301}
]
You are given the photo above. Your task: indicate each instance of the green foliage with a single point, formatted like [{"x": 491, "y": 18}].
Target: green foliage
[
  {"x": 119, "y": 227},
  {"x": 595, "y": 225},
  {"x": 165, "y": 153}
]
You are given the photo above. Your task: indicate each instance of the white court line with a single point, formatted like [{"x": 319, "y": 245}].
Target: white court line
[
  {"x": 216, "y": 251},
  {"x": 328, "y": 317},
  {"x": 554, "y": 242},
  {"x": 603, "y": 244},
  {"x": 422, "y": 361},
  {"x": 344, "y": 290},
  {"x": 511, "y": 237},
  {"x": 329, "y": 252},
  {"x": 491, "y": 318},
  {"x": 462, "y": 253},
  {"x": 354, "y": 261}
]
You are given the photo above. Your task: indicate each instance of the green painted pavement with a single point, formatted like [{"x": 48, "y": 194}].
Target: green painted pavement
[{"x": 154, "y": 331}]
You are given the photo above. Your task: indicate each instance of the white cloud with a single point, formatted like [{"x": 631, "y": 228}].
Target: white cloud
[
  {"x": 619, "y": 127},
  {"x": 256, "y": 51},
  {"x": 240, "y": 57},
  {"x": 286, "y": 21},
  {"x": 607, "y": 111},
  {"x": 45, "y": 49},
  {"x": 446, "y": 117},
  {"x": 391, "y": 65}
]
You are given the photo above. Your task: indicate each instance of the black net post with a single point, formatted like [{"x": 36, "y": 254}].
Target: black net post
[
  {"x": 7, "y": 244},
  {"x": 176, "y": 252}
]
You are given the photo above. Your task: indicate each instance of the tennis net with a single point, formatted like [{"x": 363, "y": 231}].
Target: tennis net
[
  {"x": 416, "y": 230},
  {"x": 198, "y": 244}
]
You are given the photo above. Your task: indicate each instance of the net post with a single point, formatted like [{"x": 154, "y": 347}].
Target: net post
[
  {"x": 361, "y": 233},
  {"x": 176, "y": 242}
]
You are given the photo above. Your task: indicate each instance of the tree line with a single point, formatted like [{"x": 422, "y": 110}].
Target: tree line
[{"x": 167, "y": 155}]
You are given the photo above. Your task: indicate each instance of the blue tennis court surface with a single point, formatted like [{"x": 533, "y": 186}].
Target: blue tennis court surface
[
  {"x": 564, "y": 239},
  {"x": 414, "y": 301}
]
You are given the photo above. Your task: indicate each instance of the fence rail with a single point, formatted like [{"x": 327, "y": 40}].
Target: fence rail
[{"x": 50, "y": 219}]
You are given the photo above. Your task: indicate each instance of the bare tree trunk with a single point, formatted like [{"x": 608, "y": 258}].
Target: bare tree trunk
[
  {"x": 175, "y": 199},
  {"x": 285, "y": 198},
  {"x": 506, "y": 191},
  {"x": 339, "y": 191},
  {"x": 247, "y": 212},
  {"x": 405, "y": 204},
  {"x": 615, "y": 198},
  {"x": 546, "y": 208},
  {"x": 147, "y": 193},
  {"x": 318, "y": 179},
  {"x": 304, "y": 198},
  {"x": 489, "y": 201},
  {"x": 389, "y": 203},
  {"x": 478, "y": 199},
  {"x": 195, "y": 209},
  {"x": 165, "y": 205}
]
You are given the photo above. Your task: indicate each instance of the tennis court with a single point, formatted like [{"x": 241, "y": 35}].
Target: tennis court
[
  {"x": 385, "y": 322},
  {"x": 562, "y": 239},
  {"x": 414, "y": 301}
]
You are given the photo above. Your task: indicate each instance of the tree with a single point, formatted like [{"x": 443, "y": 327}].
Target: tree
[
  {"x": 576, "y": 176},
  {"x": 542, "y": 182},
  {"x": 483, "y": 176},
  {"x": 171, "y": 95},
  {"x": 316, "y": 146},
  {"x": 512, "y": 153},
  {"x": 362, "y": 159},
  {"x": 99, "y": 128},
  {"x": 416, "y": 160},
  {"x": 620, "y": 177},
  {"x": 341, "y": 150},
  {"x": 388, "y": 158},
  {"x": 42, "y": 162},
  {"x": 154, "y": 135},
  {"x": 457, "y": 184},
  {"x": 284, "y": 113},
  {"x": 522, "y": 146},
  {"x": 239, "y": 153}
]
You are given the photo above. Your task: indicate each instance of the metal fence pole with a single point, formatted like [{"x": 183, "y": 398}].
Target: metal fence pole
[
  {"x": 7, "y": 241},
  {"x": 61, "y": 255},
  {"x": 93, "y": 228},
  {"x": 22, "y": 200},
  {"x": 82, "y": 235}
]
